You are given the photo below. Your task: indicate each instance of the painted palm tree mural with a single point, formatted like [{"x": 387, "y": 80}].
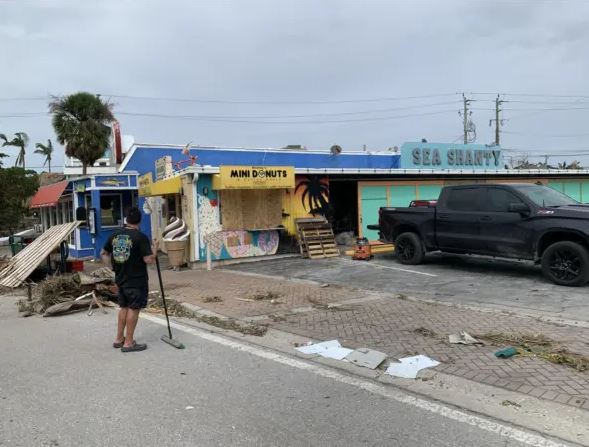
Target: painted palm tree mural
[{"x": 314, "y": 194}]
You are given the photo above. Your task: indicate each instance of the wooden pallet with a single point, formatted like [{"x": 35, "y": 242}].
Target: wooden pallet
[{"x": 316, "y": 238}]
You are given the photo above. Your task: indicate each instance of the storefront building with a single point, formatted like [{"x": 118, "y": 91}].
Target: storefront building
[
  {"x": 242, "y": 203},
  {"x": 100, "y": 201}
]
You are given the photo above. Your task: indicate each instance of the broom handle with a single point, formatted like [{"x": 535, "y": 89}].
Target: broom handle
[{"x": 159, "y": 277}]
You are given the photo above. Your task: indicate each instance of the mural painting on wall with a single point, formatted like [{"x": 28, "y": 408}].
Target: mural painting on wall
[
  {"x": 242, "y": 244},
  {"x": 208, "y": 218},
  {"x": 309, "y": 198},
  {"x": 313, "y": 192},
  {"x": 230, "y": 244}
]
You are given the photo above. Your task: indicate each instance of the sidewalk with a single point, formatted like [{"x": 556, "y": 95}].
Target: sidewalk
[{"x": 395, "y": 325}]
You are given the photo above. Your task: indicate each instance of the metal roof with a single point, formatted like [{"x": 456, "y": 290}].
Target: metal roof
[
  {"x": 48, "y": 195},
  {"x": 26, "y": 261}
]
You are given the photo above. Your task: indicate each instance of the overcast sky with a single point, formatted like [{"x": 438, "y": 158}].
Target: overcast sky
[{"x": 311, "y": 66}]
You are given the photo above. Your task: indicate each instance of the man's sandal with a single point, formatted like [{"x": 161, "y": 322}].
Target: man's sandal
[{"x": 134, "y": 348}]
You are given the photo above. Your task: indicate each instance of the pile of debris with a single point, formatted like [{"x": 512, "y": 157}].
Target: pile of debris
[{"x": 61, "y": 294}]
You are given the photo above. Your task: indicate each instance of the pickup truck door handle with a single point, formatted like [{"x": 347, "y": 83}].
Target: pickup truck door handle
[
  {"x": 443, "y": 216},
  {"x": 486, "y": 219}
]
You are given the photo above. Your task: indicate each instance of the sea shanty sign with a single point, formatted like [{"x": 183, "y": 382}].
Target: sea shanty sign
[
  {"x": 254, "y": 177},
  {"x": 451, "y": 156}
]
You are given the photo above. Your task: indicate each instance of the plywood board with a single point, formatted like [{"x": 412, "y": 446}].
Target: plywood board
[
  {"x": 231, "y": 210},
  {"x": 251, "y": 209}
]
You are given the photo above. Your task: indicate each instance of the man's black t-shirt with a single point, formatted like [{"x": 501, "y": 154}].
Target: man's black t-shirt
[{"x": 127, "y": 248}]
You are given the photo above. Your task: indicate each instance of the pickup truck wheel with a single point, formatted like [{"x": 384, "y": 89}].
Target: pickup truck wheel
[
  {"x": 409, "y": 249},
  {"x": 566, "y": 263}
]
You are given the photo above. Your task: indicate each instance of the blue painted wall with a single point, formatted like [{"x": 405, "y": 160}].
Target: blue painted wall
[{"x": 143, "y": 159}]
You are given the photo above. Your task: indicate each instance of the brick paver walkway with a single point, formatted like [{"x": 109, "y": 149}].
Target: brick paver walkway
[{"x": 395, "y": 326}]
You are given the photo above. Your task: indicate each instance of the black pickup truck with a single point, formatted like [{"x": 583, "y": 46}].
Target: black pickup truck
[{"x": 521, "y": 221}]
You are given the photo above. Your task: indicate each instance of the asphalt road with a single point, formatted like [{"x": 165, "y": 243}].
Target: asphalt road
[
  {"x": 62, "y": 384},
  {"x": 494, "y": 283}
]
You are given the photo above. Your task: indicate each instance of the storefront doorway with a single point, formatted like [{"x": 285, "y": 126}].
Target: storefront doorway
[{"x": 343, "y": 200}]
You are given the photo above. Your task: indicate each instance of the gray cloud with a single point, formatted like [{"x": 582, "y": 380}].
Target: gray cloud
[{"x": 300, "y": 50}]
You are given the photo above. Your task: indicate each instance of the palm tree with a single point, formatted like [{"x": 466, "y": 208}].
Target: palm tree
[
  {"x": 20, "y": 140},
  {"x": 315, "y": 194},
  {"x": 81, "y": 123},
  {"x": 46, "y": 151}
]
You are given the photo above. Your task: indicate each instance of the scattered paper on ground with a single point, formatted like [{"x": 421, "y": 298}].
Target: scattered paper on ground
[
  {"x": 410, "y": 366},
  {"x": 330, "y": 349},
  {"x": 366, "y": 357},
  {"x": 463, "y": 338}
]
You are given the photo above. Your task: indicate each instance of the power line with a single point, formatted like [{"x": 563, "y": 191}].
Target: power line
[
  {"x": 200, "y": 118},
  {"x": 237, "y": 101},
  {"x": 573, "y": 135}
]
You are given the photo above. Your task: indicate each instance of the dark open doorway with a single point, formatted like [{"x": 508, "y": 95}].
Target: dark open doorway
[{"x": 343, "y": 198}]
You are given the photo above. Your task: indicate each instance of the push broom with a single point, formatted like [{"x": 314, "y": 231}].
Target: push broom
[{"x": 166, "y": 338}]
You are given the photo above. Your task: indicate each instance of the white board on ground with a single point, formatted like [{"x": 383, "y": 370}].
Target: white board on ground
[
  {"x": 367, "y": 358},
  {"x": 330, "y": 349},
  {"x": 410, "y": 366}
]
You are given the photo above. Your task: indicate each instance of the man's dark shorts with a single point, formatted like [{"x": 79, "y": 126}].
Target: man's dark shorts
[{"x": 133, "y": 297}]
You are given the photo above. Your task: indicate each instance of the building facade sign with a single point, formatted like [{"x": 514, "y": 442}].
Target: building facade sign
[
  {"x": 163, "y": 167},
  {"x": 254, "y": 177},
  {"x": 145, "y": 181},
  {"x": 451, "y": 156}
]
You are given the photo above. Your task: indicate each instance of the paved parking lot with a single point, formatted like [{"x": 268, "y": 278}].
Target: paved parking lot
[{"x": 500, "y": 284}]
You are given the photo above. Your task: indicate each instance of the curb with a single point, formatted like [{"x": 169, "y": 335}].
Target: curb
[{"x": 546, "y": 417}]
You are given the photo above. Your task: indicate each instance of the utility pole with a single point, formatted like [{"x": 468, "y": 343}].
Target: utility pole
[
  {"x": 467, "y": 124},
  {"x": 498, "y": 121}
]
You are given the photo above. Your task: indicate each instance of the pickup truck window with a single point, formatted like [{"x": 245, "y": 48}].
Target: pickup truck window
[
  {"x": 465, "y": 199},
  {"x": 498, "y": 200},
  {"x": 545, "y": 196}
]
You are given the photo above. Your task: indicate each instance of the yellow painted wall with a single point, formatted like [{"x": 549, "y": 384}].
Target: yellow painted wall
[{"x": 293, "y": 205}]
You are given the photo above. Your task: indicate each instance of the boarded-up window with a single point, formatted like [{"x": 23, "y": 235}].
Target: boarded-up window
[{"x": 251, "y": 209}]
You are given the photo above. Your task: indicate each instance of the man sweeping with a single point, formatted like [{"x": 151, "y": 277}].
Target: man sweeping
[{"x": 129, "y": 251}]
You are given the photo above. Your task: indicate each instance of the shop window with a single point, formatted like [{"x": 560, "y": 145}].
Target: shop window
[{"x": 111, "y": 210}]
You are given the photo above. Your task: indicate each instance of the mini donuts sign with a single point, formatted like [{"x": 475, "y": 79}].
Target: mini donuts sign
[{"x": 254, "y": 177}]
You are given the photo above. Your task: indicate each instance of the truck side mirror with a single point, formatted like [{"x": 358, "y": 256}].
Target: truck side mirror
[{"x": 519, "y": 207}]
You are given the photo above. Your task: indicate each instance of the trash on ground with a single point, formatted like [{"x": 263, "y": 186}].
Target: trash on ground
[
  {"x": 410, "y": 366},
  {"x": 67, "y": 307},
  {"x": 540, "y": 346},
  {"x": 463, "y": 338},
  {"x": 265, "y": 296},
  {"x": 330, "y": 349},
  {"x": 366, "y": 357},
  {"x": 425, "y": 332},
  {"x": 189, "y": 407},
  {"x": 324, "y": 285},
  {"x": 510, "y": 403},
  {"x": 506, "y": 353},
  {"x": 212, "y": 299}
]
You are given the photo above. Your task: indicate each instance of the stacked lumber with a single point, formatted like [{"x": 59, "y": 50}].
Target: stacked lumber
[
  {"x": 316, "y": 238},
  {"x": 27, "y": 260}
]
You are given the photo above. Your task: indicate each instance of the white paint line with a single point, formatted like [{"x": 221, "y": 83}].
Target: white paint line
[
  {"x": 400, "y": 269},
  {"x": 389, "y": 392}
]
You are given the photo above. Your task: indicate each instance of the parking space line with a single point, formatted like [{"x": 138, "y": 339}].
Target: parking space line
[{"x": 397, "y": 268}]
